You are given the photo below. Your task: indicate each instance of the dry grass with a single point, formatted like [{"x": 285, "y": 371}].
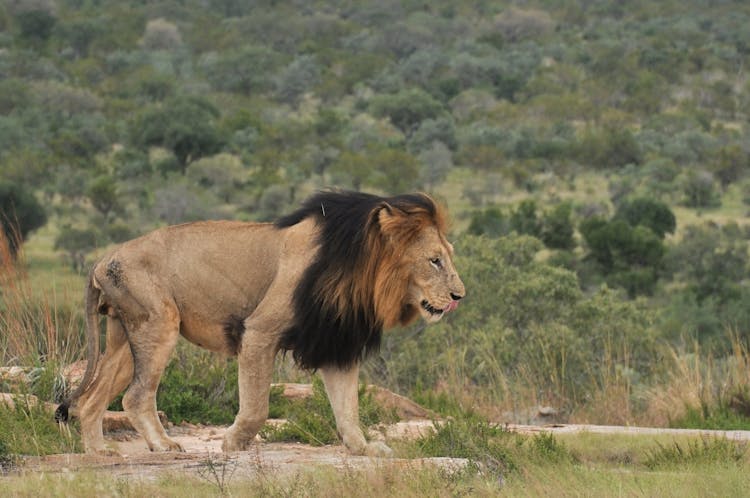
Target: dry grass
[
  {"x": 697, "y": 379},
  {"x": 35, "y": 329}
]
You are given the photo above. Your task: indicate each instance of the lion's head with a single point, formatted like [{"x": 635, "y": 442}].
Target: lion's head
[{"x": 382, "y": 262}]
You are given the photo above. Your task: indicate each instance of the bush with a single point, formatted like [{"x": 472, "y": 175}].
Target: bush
[
  {"x": 407, "y": 108},
  {"x": 20, "y": 214},
  {"x": 161, "y": 34},
  {"x": 649, "y": 213},
  {"x": 557, "y": 228},
  {"x": 311, "y": 421},
  {"x": 30, "y": 429},
  {"x": 198, "y": 387},
  {"x": 471, "y": 436}
]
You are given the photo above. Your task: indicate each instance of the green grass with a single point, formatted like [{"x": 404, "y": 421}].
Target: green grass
[
  {"x": 718, "y": 417},
  {"x": 586, "y": 464},
  {"x": 29, "y": 429},
  {"x": 311, "y": 421}
]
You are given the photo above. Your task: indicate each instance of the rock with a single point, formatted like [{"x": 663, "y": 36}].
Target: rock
[{"x": 547, "y": 411}]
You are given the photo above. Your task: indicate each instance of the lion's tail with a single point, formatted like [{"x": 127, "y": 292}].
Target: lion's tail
[{"x": 92, "y": 346}]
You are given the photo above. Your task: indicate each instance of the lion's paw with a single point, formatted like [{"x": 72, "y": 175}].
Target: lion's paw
[
  {"x": 231, "y": 444},
  {"x": 104, "y": 451},
  {"x": 167, "y": 445},
  {"x": 378, "y": 449}
]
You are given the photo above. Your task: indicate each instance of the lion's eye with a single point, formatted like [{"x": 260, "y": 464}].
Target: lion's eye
[{"x": 437, "y": 263}]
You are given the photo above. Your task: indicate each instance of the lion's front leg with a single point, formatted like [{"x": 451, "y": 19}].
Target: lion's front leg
[
  {"x": 342, "y": 386},
  {"x": 255, "y": 363}
]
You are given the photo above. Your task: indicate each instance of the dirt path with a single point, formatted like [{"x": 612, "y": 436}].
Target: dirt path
[{"x": 203, "y": 447}]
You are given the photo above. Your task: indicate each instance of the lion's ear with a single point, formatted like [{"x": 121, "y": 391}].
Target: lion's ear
[{"x": 390, "y": 219}]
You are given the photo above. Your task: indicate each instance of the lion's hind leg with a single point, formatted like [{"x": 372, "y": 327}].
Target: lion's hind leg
[
  {"x": 114, "y": 375},
  {"x": 151, "y": 343}
]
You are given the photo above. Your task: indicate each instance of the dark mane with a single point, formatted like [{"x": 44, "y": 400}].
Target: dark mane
[{"x": 336, "y": 320}]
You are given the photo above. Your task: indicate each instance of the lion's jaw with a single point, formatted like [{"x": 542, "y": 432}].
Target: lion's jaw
[
  {"x": 436, "y": 287},
  {"x": 432, "y": 314}
]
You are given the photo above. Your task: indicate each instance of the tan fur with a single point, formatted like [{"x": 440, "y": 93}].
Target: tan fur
[{"x": 189, "y": 279}]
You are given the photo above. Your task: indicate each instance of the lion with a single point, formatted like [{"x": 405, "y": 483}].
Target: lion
[{"x": 322, "y": 283}]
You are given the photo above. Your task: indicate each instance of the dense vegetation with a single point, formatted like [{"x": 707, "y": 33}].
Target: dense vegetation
[{"x": 594, "y": 155}]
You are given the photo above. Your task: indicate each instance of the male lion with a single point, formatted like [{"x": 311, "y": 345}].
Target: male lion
[{"x": 322, "y": 282}]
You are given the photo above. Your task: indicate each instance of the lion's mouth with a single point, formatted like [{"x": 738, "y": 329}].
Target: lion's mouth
[{"x": 430, "y": 309}]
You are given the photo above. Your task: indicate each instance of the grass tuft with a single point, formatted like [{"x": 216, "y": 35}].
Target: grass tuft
[{"x": 703, "y": 451}]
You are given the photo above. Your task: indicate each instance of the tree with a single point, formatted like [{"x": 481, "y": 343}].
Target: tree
[
  {"x": 297, "y": 78},
  {"x": 629, "y": 257},
  {"x": 102, "y": 193},
  {"x": 184, "y": 125},
  {"x": 557, "y": 228},
  {"x": 20, "y": 213},
  {"x": 713, "y": 260},
  {"x": 649, "y": 213},
  {"x": 435, "y": 164},
  {"x": 490, "y": 222},
  {"x": 161, "y": 34},
  {"x": 524, "y": 219},
  {"x": 407, "y": 108},
  {"x": 700, "y": 190},
  {"x": 36, "y": 18},
  {"x": 247, "y": 70},
  {"x": 77, "y": 243}
]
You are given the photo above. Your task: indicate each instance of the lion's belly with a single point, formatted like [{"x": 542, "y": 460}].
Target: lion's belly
[{"x": 206, "y": 335}]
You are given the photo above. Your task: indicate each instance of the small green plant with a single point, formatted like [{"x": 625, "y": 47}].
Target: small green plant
[
  {"x": 311, "y": 420},
  {"x": 547, "y": 448},
  {"x": 474, "y": 438},
  {"x": 199, "y": 387},
  {"x": 28, "y": 428},
  {"x": 706, "y": 450}
]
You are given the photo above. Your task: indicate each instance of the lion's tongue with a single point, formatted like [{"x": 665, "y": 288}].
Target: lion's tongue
[{"x": 452, "y": 306}]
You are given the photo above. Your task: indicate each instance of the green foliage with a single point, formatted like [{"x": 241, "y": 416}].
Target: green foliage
[
  {"x": 713, "y": 260},
  {"x": 197, "y": 387},
  {"x": 36, "y": 20},
  {"x": 471, "y": 436},
  {"x": 649, "y": 213},
  {"x": 699, "y": 190},
  {"x": 629, "y": 256},
  {"x": 102, "y": 192},
  {"x": 311, "y": 421},
  {"x": 720, "y": 417},
  {"x": 28, "y": 428},
  {"x": 707, "y": 450},
  {"x": 20, "y": 213},
  {"x": 77, "y": 243},
  {"x": 490, "y": 222},
  {"x": 184, "y": 125},
  {"x": 557, "y": 227},
  {"x": 407, "y": 108},
  {"x": 524, "y": 220}
]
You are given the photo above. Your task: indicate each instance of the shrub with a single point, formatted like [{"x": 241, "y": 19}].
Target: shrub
[
  {"x": 649, "y": 213},
  {"x": 161, "y": 34},
  {"x": 557, "y": 227},
  {"x": 30, "y": 429},
  {"x": 407, "y": 108},
  {"x": 311, "y": 421},
  {"x": 198, "y": 387},
  {"x": 20, "y": 213},
  {"x": 471, "y": 436}
]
